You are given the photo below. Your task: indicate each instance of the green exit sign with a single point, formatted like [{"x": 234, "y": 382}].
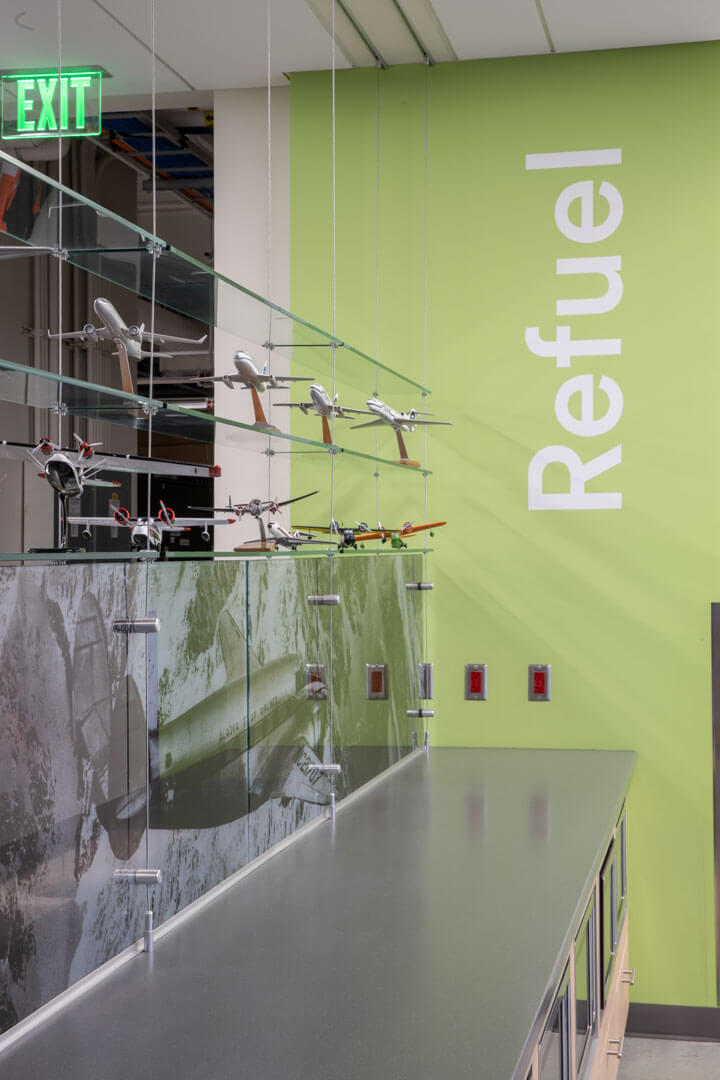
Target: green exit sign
[{"x": 51, "y": 104}]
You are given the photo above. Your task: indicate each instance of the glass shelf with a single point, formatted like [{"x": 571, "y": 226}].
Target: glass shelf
[
  {"x": 88, "y": 236},
  {"x": 313, "y": 553},
  {"x": 77, "y": 556},
  {"x": 40, "y": 389}
]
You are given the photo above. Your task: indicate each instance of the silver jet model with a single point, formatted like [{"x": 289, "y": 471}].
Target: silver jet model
[
  {"x": 399, "y": 422},
  {"x": 247, "y": 376},
  {"x": 325, "y": 407},
  {"x": 130, "y": 340}
]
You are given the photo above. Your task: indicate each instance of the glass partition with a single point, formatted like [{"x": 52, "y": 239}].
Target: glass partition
[
  {"x": 197, "y": 727},
  {"x": 72, "y": 783}
]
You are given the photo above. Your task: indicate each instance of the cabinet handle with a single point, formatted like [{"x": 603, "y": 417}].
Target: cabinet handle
[
  {"x": 632, "y": 973},
  {"x": 620, "y": 1042}
]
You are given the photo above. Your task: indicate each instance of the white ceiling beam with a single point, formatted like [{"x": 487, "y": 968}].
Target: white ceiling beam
[
  {"x": 428, "y": 29},
  {"x": 383, "y": 24}
]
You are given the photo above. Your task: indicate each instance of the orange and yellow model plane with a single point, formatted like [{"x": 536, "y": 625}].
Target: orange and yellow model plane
[{"x": 350, "y": 538}]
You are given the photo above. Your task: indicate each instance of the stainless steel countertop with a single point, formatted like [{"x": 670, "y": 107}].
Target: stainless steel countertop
[{"x": 419, "y": 937}]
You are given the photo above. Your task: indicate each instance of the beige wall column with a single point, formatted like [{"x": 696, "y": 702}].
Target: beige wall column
[{"x": 241, "y": 253}]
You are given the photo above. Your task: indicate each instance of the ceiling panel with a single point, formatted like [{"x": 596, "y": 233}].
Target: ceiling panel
[
  {"x": 615, "y": 24},
  {"x": 29, "y": 39},
  {"x": 222, "y": 44},
  {"x": 384, "y": 25},
  {"x": 494, "y": 27}
]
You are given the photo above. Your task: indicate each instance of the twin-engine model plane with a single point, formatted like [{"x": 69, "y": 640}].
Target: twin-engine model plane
[
  {"x": 399, "y": 422},
  {"x": 130, "y": 340},
  {"x": 249, "y": 378},
  {"x": 255, "y": 507},
  {"x": 149, "y": 532},
  {"x": 350, "y": 538},
  {"x": 68, "y": 471},
  {"x": 321, "y": 403}
]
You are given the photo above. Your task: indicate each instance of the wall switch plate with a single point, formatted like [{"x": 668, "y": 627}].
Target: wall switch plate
[
  {"x": 316, "y": 682},
  {"x": 539, "y": 682},
  {"x": 377, "y": 682},
  {"x": 476, "y": 682}
]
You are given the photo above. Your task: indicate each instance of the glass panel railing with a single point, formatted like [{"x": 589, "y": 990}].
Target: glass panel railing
[
  {"x": 374, "y": 665},
  {"x": 288, "y": 655},
  {"x": 72, "y": 788},
  {"x": 95, "y": 239},
  {"x": 197, "y": 718}
]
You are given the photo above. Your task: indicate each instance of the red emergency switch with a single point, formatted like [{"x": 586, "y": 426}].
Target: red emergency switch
[
  {"x": 476, "y": 682},
  {"x": 377, "y": 681},
  {"x": 539, "y": 676}
]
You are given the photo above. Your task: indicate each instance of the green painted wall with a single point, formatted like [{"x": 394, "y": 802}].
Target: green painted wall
[{"x": 617, "y": 600}]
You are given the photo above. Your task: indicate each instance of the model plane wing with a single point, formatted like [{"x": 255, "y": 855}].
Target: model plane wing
[
  {"x": 94, "y": 521},
  {"x": 99, "y": 333},
  {"x": 204, "y": 523},
  {"x": 371, "y": 423},
  {"x": 171, "y": 339}
]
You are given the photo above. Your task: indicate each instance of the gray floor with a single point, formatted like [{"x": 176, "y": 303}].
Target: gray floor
[{"x": 665, "y": 1059}]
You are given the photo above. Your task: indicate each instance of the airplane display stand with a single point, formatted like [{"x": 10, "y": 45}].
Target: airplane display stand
[
  {"x": 268, "y": 545},
  {"x": 261, "y": 420},
  {"x": 404, "y": 459}
]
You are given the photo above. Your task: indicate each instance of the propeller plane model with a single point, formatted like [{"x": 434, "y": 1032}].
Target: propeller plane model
[
  {"x": 149, "y": 532},
  {"x": 68, "y": 471},
  {"x": 255, "y": 507},
  {"x": 350, "y": 538}
]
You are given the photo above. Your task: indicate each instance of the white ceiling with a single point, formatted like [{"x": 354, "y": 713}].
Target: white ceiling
[{"x": 216, "y": 44}]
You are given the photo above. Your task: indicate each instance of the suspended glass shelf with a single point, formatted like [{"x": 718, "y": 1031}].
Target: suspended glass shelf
[
  {"x": 88, "y": 236},
  {"x": 65, "y": 395},
  {"x": 300, "y": 553},
  {"x": 77, "y": 556}
]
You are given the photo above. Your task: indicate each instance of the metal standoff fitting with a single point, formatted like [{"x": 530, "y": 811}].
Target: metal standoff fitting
[
  {"x": 136, "y": 626},
  {"x": 332, "y": 769},
  {"x": 331, "y": 600},
  {"x": 426, "y": 681},
  {"x": 419, "y": 586},
  {"x": 139, "y": 877},
  {"x": 148, "y": 933},
  {"x": 419, "y": 714}
]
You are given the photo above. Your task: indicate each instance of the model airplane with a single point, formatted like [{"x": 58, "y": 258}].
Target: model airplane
[
  {"x": 289, "y": 538},
  {"x": 350, "y": 538},
  {"x": 321, "y": 404},
  {"x": 399, "y": 422},
  {"x": 68, "y": 472},
  {"x": 129, "y": 339},
  {"x": 255, "y": 508},
  {"x": 247, "y": 376},
  {"x": 149, "y": 532}
]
